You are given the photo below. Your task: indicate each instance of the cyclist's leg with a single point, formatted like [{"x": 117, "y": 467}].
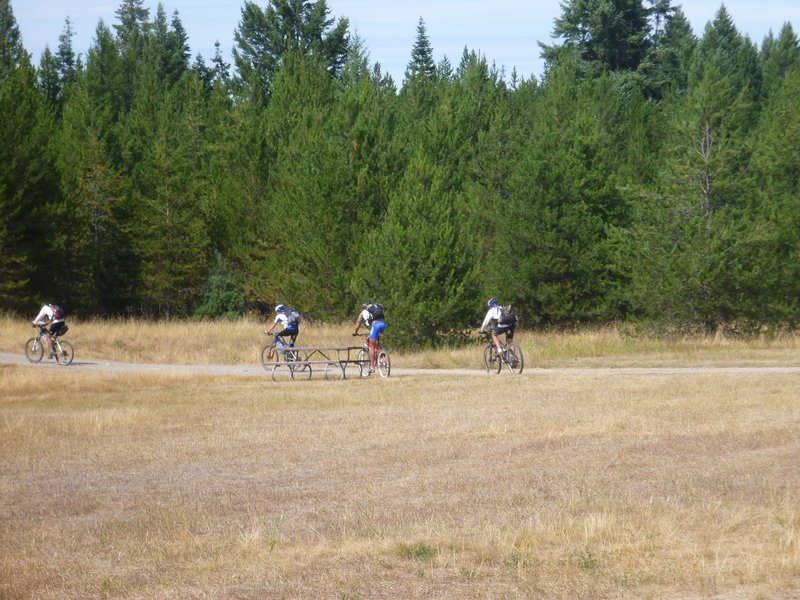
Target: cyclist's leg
[
  {"x": 510, "y": 338},
  {"x": 50, "y": 335},
  {"x": 496, "y": 339},
  {"x": 285, "y": 339},
  {"x": 374, "y": 341}
]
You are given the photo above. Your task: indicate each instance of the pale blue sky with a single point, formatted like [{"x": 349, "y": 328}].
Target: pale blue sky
[{"x": 506, "y": 32}]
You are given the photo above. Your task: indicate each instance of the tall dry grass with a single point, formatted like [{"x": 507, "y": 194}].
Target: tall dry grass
[
  {"x": 546, "y": 486},
  {"x": 240, "y": 342}
]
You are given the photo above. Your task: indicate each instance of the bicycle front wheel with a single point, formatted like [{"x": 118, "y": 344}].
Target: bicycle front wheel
[
  {"x": 514, "y": 358},
  {"x": 363, "y": 362},
  {"x": 384, "y": 363},
  {"x": 268, "y": 357},
  {"x": 491, "y": 360},
  {"x": 64, "y": 353},
  {"x": 34, "y": 350}
]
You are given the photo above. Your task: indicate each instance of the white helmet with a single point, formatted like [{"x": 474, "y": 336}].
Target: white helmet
[{"x": 280, "y": 308}]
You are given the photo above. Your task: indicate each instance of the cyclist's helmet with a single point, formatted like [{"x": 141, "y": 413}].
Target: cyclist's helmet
[
  {"x": 492, "y": 302},
  {"x": 280, "y": 308}
]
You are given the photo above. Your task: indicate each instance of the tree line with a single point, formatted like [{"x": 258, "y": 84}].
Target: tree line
[{"x": 647, "y": 175}]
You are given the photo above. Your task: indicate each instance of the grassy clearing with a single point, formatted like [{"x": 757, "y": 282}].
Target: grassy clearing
[
  {"x": 551, "y": 486},
  {"x": 240, "y": 342}
]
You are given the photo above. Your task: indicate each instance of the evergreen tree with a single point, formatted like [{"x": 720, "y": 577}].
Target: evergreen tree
[
  {"x": 94, "y": 238},
  {"x": 611, "y": 35},
  {"x": 27, "y": 191},
  {"x": 666, "y": 68},
  {"x": 11, "y": 49},
  {"x": 777, "y": 57},
  {"x": 553, "y": 260},
  {"x": 419, "y": 264},
  {"x": 310, "y": 212},
  {"x": 303, "y": 27},
  {"x": 168, "y": 232}
]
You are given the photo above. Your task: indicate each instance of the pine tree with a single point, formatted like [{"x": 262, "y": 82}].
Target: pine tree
[
  {"x": 611, "y": 35},
  {"x": 11, "y": 49},
  {"x": 302, "y": 27},
  {"x": 27, "y": 188},
  {"x": 419, "y": 263}
]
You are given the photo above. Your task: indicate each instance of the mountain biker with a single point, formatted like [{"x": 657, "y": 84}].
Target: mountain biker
[
  {"x": 290, "y": 320},
  {"x": 504, "y": 323},
  {"x": 53, "y": 315},
  {"x": 372, "y": 316}
]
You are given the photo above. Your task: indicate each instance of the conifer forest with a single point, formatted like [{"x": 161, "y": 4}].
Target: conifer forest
[{"x": 649, "y": 175}]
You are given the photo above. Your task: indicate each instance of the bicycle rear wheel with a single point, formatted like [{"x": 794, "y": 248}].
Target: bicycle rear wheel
[
  {"x": 64, "y": 353},
  {"x": 514, "y": 358},
  {"x": 34, "y": 350},
  {"x": 491, "y": 360},
  {"x": 384, "y": 364}
]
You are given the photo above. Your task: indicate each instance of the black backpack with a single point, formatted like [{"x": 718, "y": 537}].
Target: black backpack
[
  {"x": 376, "y": 311},
  {"x": 58, "y": 312},
  {"x": 506, "y": 316}
]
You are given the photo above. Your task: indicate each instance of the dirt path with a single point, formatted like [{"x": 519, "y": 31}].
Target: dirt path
[{"x": 255, "y": 370}]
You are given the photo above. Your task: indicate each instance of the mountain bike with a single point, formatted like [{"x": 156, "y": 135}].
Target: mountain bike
[
  {"x": 510, "y": 356},
  {"x": 384, "y": 362},
  {"x": 63, "y": 350},
  {"x": 283, "y": 361}
]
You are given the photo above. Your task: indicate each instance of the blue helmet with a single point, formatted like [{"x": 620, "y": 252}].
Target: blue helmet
[
  {"x": 492, "y": 302},
  {"x": 280, "y": 308}
]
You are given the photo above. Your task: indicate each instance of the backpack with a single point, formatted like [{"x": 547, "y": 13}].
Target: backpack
[
  {"x": 376, "y": 311},
  {"x": 292, "y": 316},
  {"x": 58, "y": 312},
  {"x": 506, "y": 316}
]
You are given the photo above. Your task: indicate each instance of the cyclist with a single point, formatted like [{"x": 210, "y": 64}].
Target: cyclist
[
  {"x": 372, "y": 316},
  {"x": 505, "y": 322},
  {"x": 53, "y": 315},
  {"x": 290, "y": 319}
]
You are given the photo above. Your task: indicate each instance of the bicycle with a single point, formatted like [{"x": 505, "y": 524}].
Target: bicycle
[
  {"x": 63, "y": 350},
  {"x": 292, "y": 364},
  {"x": 384, "y": 362},
  {"x": 511, "y": 356}
]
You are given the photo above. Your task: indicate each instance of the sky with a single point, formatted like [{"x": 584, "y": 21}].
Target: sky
[{"x": 505, "y": 32}]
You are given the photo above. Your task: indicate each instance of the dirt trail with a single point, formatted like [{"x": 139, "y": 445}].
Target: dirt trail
[{"x": 255, "y": 370}]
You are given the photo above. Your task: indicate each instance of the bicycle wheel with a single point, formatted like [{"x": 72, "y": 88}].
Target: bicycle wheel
[
  {"x": 384, "y": 363},
  {"x": 64, "y": 353},
  {"x": 514, "y": 359},
  {"x": 363, "y": 363},
  {"x": 268, "y": 357},
  {"x": 491, "y": 360},
  {"x": 34, "y": 350},
  {"x": 282, "y": 372}
]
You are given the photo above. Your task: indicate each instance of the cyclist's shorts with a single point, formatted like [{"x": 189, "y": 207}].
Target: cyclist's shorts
[
  {"x": 59, "y": 328},
  {"x": 507, "y": 329},
  {"x": 378, "y": 328},
  {"x": 289, "y": 332}
]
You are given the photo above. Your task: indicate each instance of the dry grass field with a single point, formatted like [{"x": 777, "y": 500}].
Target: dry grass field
[{"x": 549, "y": 485}]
